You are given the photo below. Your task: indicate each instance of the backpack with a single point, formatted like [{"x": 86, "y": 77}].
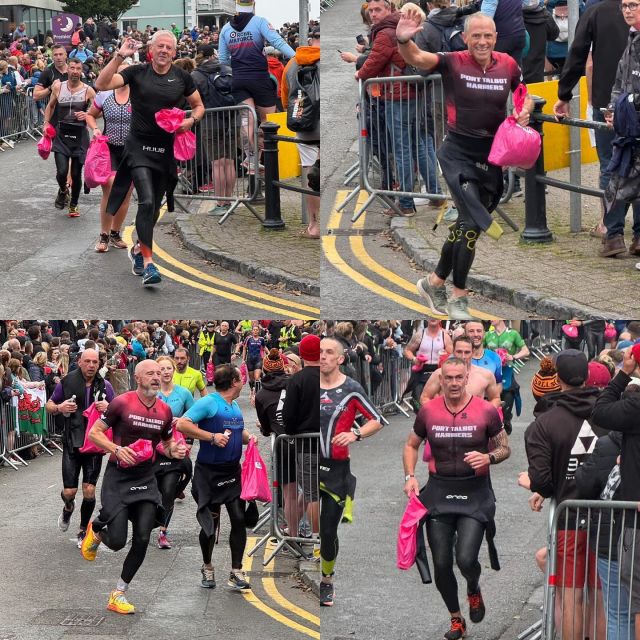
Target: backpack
[
  {"x": 218, "y": 92},
  {"x": 451, "y": 37},
  {"x": 303, "y": 112}
]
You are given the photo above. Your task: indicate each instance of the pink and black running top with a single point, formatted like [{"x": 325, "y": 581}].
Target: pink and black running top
[
  {"x": 476, "y": 99},
  {"x": 450, "y": 436},
  {"x": 339, "y": 407}
]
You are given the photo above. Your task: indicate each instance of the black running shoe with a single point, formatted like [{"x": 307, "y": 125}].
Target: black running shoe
[
  {"x": 61, "y": 199},
  {"x": 237, "y": 580},
  {"x": 476, "y": 606},
  {"x": 458, "y": 629},
  {"x": 326, "y": 594},
  {"x": 64, "y": 518},
  {"x": 208, "y": 578}
]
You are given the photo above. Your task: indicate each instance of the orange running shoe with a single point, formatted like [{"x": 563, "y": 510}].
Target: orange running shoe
[
  {"x": 119, "y": 604},
  {"x": 90, "y": 544}
]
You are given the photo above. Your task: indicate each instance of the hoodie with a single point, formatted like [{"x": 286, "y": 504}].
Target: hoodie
[
  {"x": 275, "y": 69},
  {"x": 559, "y": 441},
  {"x": 269, "y": 403}
]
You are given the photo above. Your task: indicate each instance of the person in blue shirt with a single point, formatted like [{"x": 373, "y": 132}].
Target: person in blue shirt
[
  {"x": 252, "y": 352},
  {"x": 172, "y": 474},
  {"x": 241, "y": 45},
  {"x": 216, "y": 420},
  {"x": 482, "y": 357},
  {"x": 82, "y": 53}
]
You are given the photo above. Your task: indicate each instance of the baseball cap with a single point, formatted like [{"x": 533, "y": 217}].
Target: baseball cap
[
  {"x": 599, "y": 375},
  {"x": 573, "y": 367}
]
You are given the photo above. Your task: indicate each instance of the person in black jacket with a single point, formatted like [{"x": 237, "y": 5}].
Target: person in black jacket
[
  {"x": 599, "y": 477},
  {"x": 620, "y": 411},
  {"x": 269, "y": 405},
  {"x": 603, "y": 31},
  {"x": 541, "y": 28},
  {"x": 301, "y": 414},
  {"x": 557, "y": 443}
]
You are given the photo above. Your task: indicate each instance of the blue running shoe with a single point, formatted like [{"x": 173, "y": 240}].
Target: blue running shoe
[
  {"x": 151, "y": 275},
  {"x": 137, "y": 262}
]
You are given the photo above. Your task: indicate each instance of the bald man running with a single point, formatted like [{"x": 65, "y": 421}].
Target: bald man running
[
  {"x": 129, "y": 489},
  {"x": 481, "y": 382}
]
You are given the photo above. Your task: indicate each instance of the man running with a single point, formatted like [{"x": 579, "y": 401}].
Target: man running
[
  {"x": 218, "y": 423},
  {"x": 342, "y": 400},
  {"x": 148, "y": 158},
  {"x": 476, "y": 84},
  {"x": 69, "y": 101},
  {"x": 482, "y": 357},
  {"x": 460, "y": 429},
  {"x": 55, "y": 71},
  {"x": 226, "y": 345},
  {"x": 481, "y": 382},
  {"x": 187, "y": 376},
  {"x": 252, "y": 352},
  {"x": 129, "y": 488},
  {"x": 71, "y": 396}
]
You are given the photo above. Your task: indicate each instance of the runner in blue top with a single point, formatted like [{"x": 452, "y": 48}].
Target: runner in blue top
[
  {"x": 216, "y": 420},
  {"x": 241, "y": 46},
  {"x": 172, "y": 475},
  {"x": 482, "y": 357},
  {"x": 252, "y": 352}
]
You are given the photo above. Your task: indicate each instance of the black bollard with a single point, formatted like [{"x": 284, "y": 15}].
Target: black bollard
[
  {"x": 272, "y": 212},
  {"x": 535, "y": 205}
]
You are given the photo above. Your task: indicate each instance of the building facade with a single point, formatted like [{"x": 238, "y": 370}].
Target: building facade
[
  {"x": 36, "y": 14},
  {"x": 184, "y": 13}
]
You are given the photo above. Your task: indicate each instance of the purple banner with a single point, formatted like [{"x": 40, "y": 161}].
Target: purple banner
[{"x": 62, "y": 26}]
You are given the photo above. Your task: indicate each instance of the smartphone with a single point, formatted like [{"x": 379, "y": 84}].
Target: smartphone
[{"x": 360, "y": 39}]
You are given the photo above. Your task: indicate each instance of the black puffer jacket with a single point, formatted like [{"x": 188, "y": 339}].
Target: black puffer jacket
[{"x": 269, "y": 403}]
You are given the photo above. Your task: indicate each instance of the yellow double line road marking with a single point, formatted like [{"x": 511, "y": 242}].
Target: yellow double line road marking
[
  {"x": 284, "y": 310},
  {"x": 251, "y": 597},
  {"x": 356, "y": 244}
]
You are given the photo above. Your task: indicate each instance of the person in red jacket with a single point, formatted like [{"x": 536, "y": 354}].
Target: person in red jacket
[{"x": 276, "y": 69}]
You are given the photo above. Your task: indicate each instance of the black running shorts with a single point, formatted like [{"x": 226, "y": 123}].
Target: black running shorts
[
  {"x": 262, "y": 91},
  {"x": 72, "y": 462}
]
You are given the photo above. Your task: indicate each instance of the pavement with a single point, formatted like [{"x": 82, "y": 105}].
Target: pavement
[
  {"x": 374, "y": 599},
  {"x": 50, "y": 593}
]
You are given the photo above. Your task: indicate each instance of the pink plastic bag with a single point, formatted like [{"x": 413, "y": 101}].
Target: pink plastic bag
[
  {"x": 513, "y": 145},
  {"x": 570, "y": 331},
  {"x": 92, "y": 414},
  {"x": 406, "y": 545},
  {"x": 169, "y": 119},
  {"x": 210, "y": 372},
  {"x": 184, "y": 146},
  {"x": 244, "y": 372},
  {"x": 254, "y": 479},
  {"x": 49, "y": 131},
  {"x": 178, "y": 437},
  {"x": 143, "y": 450},
  {"x": 44, "y": 147},
  {"x": 97, "y": 166}
]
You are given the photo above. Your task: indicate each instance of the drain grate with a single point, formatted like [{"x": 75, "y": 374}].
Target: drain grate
[
  {"x": 356, "y": 232},
  {"x": 79, "y": 620}
]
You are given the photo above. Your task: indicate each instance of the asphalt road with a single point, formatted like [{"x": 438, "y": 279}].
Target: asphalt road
[
  {"x": 49, "y": 266},
  {"x": 361, "y": 268},
  {"x": 376, "y": 600},
  {"x": 49, "y": 592}
]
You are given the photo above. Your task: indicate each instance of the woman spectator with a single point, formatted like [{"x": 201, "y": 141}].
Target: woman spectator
[{"x": 37, "y": 367}]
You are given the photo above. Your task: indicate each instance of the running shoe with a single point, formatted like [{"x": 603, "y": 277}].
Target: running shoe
[
  {"x": 326, "y": 594},
  {"x": 450, "y": 215},
  {"x": 151, "y": 275},
  {"x": 218, "y": 210},
  {"x": 65, "y": 517},
  {"x": 208, "y": 578},
  {"x": 435, "y": 296},
  {"x": 115, "y": 240},
  {"x": 458, "y": 629},
  {"x": 119, "y": 603},
  {"x": 163, "y": 541},
  {"x": 250, "y": 167},
  {"x": 205, "y": 188},
  {"x": 102, "y": 246},
  {"x": 476, "y": 606},
  {"x": 458, "y": 309},
  {"x": 238, "y": 581},
  {"x": 74, "y": 212},
  {"x": 61, "y": 199},
  {"x": 90, "y": 544},
  {"x": 137, "y": 262},
  {"x": 81, "y": 535}
]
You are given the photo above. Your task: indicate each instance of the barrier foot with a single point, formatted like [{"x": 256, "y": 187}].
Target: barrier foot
[
  {"x": 230, "y": 210},
  {"x": 503, "y": 214},
  {"x": 363, "y": 208},
  {"x": 46, "y": 450},
  {"x": 348, "y": 199},
  {"x": 9, "y": 462},
  {"x": 259, "y": 544},
  {"x": 24, "y": 462},
  {"x": 180, "y": 205},
  {"x": 273, "y": 554},
  {"x": 53, "y": 443},
  {"x": 536, "y": 626},
  {"x": 351, "y": 177}
]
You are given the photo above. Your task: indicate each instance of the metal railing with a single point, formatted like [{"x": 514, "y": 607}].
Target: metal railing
[
  {"x": 294, "y": 475},
  {"x": 20, "y": 115}
]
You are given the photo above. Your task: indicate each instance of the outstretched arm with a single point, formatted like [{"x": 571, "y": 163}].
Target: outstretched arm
[{"x": 408, "y": 25}]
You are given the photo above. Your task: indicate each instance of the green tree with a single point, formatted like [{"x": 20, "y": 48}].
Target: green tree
[{"x": 98, "y": 9}]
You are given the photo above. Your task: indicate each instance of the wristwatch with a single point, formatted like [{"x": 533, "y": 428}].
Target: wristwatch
[
  {"x": 356, "y": 433},
  {"x": 409, "y": 475}
]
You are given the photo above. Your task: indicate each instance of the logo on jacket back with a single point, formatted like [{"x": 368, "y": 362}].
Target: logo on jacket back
[{"x": 582, "y": 447}]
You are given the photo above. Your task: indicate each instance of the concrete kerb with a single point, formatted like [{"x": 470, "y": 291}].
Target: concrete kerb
[
  {"x": 310, "y": 575},
  {"x": 532, "y": 302},
  {"x": 269, "y": 275}
]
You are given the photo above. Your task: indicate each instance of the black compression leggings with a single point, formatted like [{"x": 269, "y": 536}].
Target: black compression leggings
[
  {"x": 441, "y": 535},
  {"x": 150, "y": 187},
  {"x": 237, "y": 537},
  {"x": 62, "y": 171},
  {"x": 143, "y": 518},
  {"x": 168, "y": 487},
  {"x": 459, "y": 248},
  {"x": 330, "y": 517}
]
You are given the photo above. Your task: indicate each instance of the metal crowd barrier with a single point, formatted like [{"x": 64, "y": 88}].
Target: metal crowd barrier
[
  {"x": 593, "y": 602},
  {"x": 326, "y": 4},
  {"x": 293, "y": 468},
  {"x": 20, "y": 115},
  {"x": 15, "y": 441},
  {"x": 547, "y": 341},
  {"x": 225, "y": 161}
]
